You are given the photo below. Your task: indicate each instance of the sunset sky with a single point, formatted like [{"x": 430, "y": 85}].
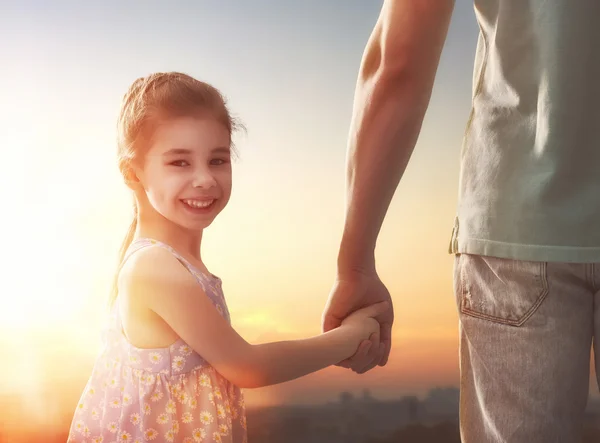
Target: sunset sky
[{"x": 288, "y": 69}]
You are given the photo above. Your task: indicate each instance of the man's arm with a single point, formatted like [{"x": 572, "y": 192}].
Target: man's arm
[{"x": 392, "y": 94}]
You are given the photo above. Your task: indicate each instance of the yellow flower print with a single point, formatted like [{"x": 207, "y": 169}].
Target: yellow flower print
[
  {"x": 217, "y": 437},
  {"x": 113, "y": 427},
  {"x": 150, "y": 378},
  {"x": 199, "y": 434},
  {"x": 169, "y": 435},
  {"x": 182, "y": 397},
  {"x": 193, "y": 403},
  {"x": 185, "y": 350},
  {"x": 223, "y": 429},
  {"x": 187, "y": 417},
  {"x": 175, "y": 427},
  {"x": 218, "y": 393},
  {"x": 127, "y": 399},
  {"x": 125, "y": 437},
  {"x": 79, "y": 426},
  {"x": 150, "y": 434},
  {"x": 156, "y": 396},
  {"x": 155, "y": 357},
  {"x": 147, "y": 409},
  {"x": 135, "y": 418},
  {"x": 206, "y": 417},
  {"x": 171, "y": 408},
  {"x": 162, "y": 419},
  {"x": 178, "y": 363},
  {"x": 115, "y": 403},
  {"x": 205, "y": 381}
]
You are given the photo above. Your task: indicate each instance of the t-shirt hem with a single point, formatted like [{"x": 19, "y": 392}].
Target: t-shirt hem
[{"x": 517, "y": 251}]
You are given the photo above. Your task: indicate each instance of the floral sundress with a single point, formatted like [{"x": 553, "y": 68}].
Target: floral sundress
[{"x": 164, "y": 394}]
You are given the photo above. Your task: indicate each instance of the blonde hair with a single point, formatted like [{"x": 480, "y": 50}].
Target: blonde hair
[{"x": 148, "y": 102}]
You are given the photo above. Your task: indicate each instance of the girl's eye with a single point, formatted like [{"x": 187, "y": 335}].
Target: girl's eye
[
  {"x": 179, "y": 163},
  {"x": 220, "y": 160}
]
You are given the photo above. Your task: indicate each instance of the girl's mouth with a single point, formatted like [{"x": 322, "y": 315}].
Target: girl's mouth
[{"x": 199, "y": 206}]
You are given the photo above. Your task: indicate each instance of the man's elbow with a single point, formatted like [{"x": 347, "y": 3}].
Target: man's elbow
[{"x": 390, "y": 71}]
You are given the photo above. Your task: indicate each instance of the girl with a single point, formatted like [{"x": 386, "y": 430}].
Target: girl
[{"x": 172, "y": 365}]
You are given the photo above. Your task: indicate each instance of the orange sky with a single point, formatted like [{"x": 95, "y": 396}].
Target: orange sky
[{"x": 275, "y": 245}]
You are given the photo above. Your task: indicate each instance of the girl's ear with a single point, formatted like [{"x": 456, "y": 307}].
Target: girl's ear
[{"x": 131, "y": 177}]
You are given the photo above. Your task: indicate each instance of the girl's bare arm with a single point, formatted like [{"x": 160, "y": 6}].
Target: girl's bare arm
[{"x": 155, "y": 279}]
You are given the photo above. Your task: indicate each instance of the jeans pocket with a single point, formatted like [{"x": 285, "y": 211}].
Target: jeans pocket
[{"x": 500, "y": 290}]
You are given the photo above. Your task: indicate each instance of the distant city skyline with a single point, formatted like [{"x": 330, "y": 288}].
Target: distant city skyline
[{"x": 351, "y": 419}]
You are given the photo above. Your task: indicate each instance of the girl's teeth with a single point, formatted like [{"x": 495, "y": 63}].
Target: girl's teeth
[{"x": 197, "y": 204}]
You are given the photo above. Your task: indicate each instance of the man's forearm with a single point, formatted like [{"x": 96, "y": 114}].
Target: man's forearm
[
  {"x": 388, "y": 114},
  {"x": 392, "y": 94}
]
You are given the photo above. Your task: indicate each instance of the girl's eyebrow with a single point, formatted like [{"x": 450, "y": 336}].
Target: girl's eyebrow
[
  {"x": 183, "y": 151},
  {"x": 177, "y": 151},
  {"x": 221, "y": 149}
]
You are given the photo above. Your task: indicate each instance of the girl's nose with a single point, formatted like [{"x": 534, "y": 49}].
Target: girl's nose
[{"x": 203, "y": 179}]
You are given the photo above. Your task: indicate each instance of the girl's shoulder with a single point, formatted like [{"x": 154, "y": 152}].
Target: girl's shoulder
[{"x": 153, "y": 266}]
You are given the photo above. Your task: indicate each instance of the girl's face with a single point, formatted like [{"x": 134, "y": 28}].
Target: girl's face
[{"x": 187, "y": 167}]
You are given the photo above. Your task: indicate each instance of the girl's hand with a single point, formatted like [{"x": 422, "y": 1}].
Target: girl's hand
[
  {"x": 352, "y": 290},
  {"x": 363, "y": 321}
]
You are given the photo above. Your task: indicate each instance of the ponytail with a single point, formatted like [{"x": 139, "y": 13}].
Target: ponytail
[{"x": 124, "y": 247}]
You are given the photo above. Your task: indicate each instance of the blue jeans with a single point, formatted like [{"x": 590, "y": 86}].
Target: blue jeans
[{"x": 526, "y": 331}]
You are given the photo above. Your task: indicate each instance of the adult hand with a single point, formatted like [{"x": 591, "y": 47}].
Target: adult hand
[{"x": 351, "y": 291}]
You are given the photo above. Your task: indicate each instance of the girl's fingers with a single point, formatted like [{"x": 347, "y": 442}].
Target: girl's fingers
[{"x": 359, "y": 357}]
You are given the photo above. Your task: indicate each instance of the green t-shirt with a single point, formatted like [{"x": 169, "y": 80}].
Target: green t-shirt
[{"x": 529, "y": 185}]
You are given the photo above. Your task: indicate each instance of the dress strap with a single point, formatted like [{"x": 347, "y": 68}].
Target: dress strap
[
  {"x": 143, "y": 242},
  {"x": 210, "y": 284}
]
